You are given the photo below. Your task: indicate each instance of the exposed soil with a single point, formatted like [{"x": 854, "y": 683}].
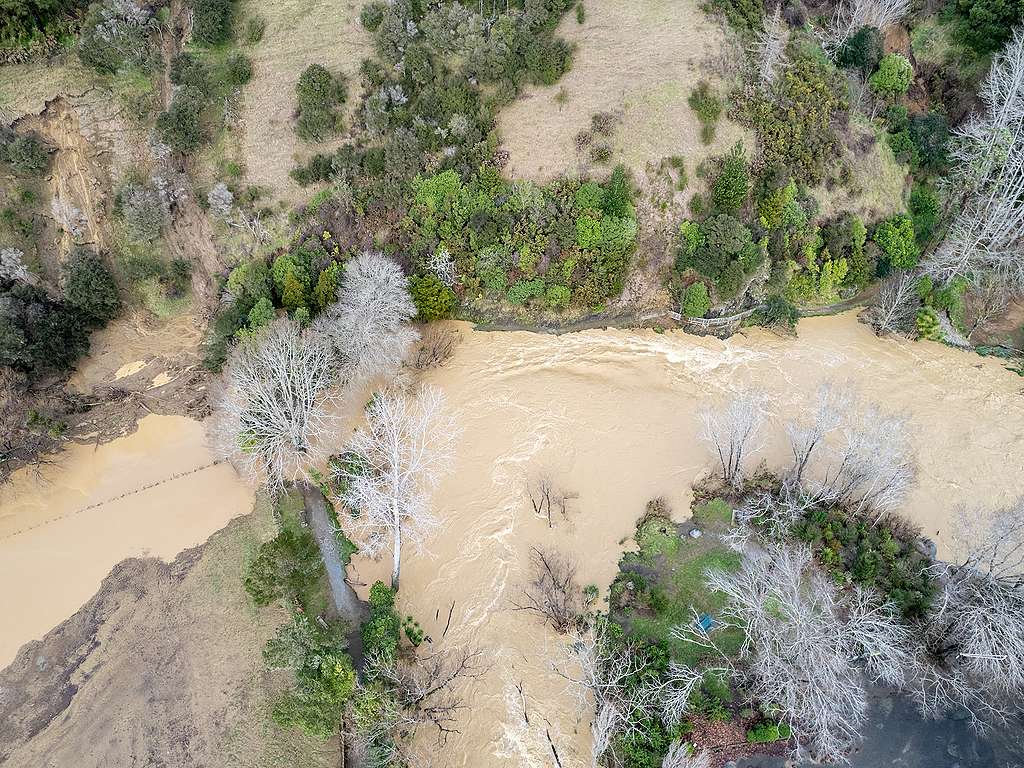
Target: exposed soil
[{"x": 162, "y": 667}]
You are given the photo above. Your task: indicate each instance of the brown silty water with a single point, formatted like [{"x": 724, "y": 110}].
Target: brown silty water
[{"x": 612, "y": 417}]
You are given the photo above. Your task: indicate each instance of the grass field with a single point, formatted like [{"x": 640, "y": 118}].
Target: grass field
[
  {"x": 660, "y": 586},
  {"x": 298, "y": 33},
  {"x": 639, "y": 60}
]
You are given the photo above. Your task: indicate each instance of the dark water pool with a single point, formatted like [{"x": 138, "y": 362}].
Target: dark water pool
[{"x": 896, "y": 735}]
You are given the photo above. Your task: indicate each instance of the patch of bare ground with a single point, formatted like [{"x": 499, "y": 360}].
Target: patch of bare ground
[
  {"x": 298, "y": 33},
  {"x": 639, "y": 60},
  {"x": 163, "y": 667}
]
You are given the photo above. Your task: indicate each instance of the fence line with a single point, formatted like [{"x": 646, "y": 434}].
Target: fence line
[{"x": 126, "y": 494}]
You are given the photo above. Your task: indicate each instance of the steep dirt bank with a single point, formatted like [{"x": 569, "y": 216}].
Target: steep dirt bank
[{"x": 162, "y": 667}]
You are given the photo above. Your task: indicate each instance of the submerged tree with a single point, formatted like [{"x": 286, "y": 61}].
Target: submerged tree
[
  {"x": 391, "y": 468},
  {"x": 731, "y": 430},
  {"x": 272, "y": 417},
  {"x": 368, "y": 326},
  {"x": 975, "y": 633}
]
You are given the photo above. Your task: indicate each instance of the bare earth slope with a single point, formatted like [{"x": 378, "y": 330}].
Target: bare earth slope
[{"x": 162, "y": 667}]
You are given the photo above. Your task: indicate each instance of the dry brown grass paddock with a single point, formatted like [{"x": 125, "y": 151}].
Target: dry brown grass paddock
[
  {"x": 298, "y": 33},
  {"x": 639, "y": 59}
]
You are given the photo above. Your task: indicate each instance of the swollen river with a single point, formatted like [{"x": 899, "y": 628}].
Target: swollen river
[{"x": 609, "y": 415}]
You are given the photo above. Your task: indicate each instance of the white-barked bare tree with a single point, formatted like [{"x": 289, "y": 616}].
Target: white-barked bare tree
[
  {"x": 369, "y": 325},
  {"x": 392, "y": 467},
  {"x": 731, "y": 430},
  {"x": 272, "y": 416}
]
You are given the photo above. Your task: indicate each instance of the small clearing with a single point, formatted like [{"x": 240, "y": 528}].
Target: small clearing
[
  {"x": 298, "y": 33},
  {"x": 639, "y": 60}
]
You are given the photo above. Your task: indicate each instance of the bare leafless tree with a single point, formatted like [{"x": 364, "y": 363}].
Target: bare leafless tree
[
  {"x": 769, "y": 47},
  {"x": 427, "y": 687},
  {"x": 807, "y": 432},
  {"x": 806, "y": 644},
  {"x": 605, "y": 682},
  {"x": 680, "y": 755},
  {"x": 552, "y": 591},
  {"x": 896, "y": 305},
  {"x": 369, "y": 324},
  {"x": 273, "y": 417},
  {"x": 397, "y": 461},
  {"x": 975, "y": 632},
  {"x": 731, "y": 430},
  {"x": 442, "y": 264},
  {"x": 851, "y": 15},
  {"x": 547, "y": 499},
  {"x": 989, "y": 299},
  {"x": 435, "y": 348},
  {"x": 986, "y": 187},
  {"x": 872, "y": 467}
]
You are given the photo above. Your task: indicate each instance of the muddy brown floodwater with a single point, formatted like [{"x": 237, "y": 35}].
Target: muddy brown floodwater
[
  {"x": 611, "y": 415},
  {"x": 155, "y": 492}
]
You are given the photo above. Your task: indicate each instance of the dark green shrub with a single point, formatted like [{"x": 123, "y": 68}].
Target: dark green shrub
[
  {"x": 318, "y": 94},
  {"x": 708, "y": 108},
  {"x": 696, "y": 301},
  {"x": 23, "y": 21},
  {"x": 895, "y": 238},
  {"x": 180, "y": 126},
  {"x": 732, "y": 184},
  {"x": 862, "y": 51},
  {"x": 903, "y": 148},
  {"x": 776, "y": 312},
  {"x": 288, "y": 566},
  {"x": 796, "y": 125},
  {"x": 382, "y": 631},
  {"x": 433, "y": 299},
  {"x": 38, "y": 334},
  {"x": 618, "y": 194},
  {"x": 26, "y": 154},
  {"x": 893, "y": 76},
  {"x": 897, "y": 118},
  {"x": 924, "y": 210},
  {"x": 988, "y": 24},
  {"x": 89, "y": 288},
  {"x": 930, "y": 134},
  {"x": 212, "y": 21},
  {"x": 188, "y": 69},
  {"x": 745, "y": 16},
  {"x": 238, "y": 69},
  {"x": 255, "y": 27},
  {"x": 371, "y": 15}
]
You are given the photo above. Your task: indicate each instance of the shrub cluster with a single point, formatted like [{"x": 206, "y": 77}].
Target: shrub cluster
[
  {"x": 722, "y": 250},
  {"x": 708, "y": 108},
  {"x": 116, "y": 34},
  {"x": 26, "y": 21},
  {"x": 544, "y": 246},
  {"x": 25, "y": 153},
  {"x": 319, "y": 93},
  {"x": 40, "y": 334},
  {"x": 795, "y": 125},
  {"x": 871, "y": 555}
]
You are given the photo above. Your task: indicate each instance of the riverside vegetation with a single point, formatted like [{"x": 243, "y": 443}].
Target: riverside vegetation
[{"x": 415, "y": 222}]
